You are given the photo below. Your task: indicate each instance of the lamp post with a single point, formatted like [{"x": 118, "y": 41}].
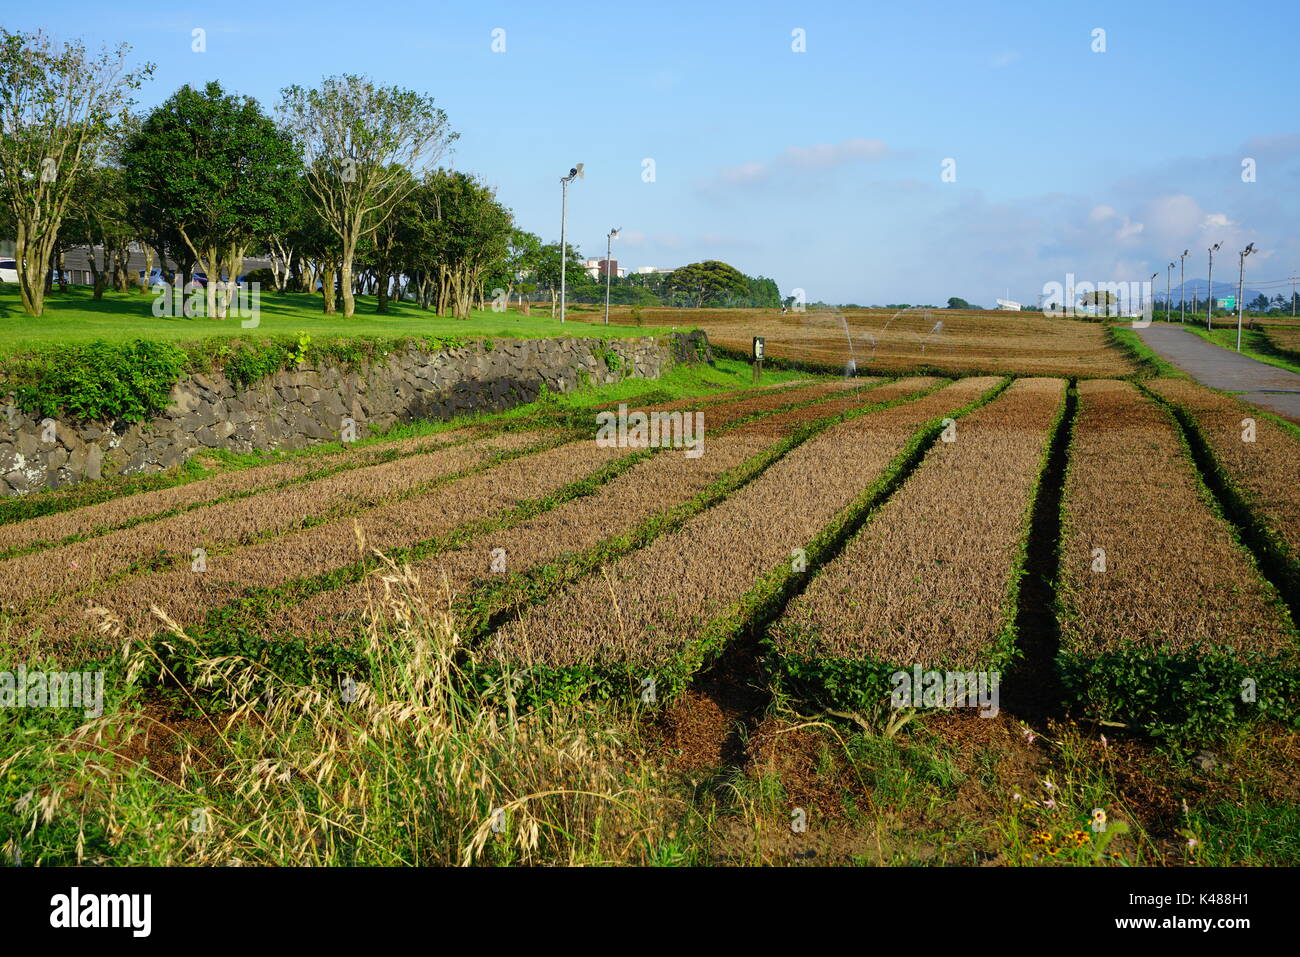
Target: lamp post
[
  {"x": 1241, "y": 279},
  {"x": 574, "y": 173},
  {"x": 1169, "y": 279},
  {"x": 1209, "y": 308},
  {"x": 609, "y": 249},
  {"x": 1153, "y": 293},
  {"x": 1182, "y": 287}
]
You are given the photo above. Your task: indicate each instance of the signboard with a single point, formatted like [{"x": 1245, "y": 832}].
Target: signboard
[
  {"x": 758, "y": 347},
  {"x": 1228, "y": 303}
]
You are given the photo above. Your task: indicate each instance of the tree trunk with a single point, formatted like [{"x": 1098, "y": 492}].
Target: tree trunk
[
  {"x": 345, "y": 280},
  {"x": 327, "y": 289},
  {"x": 381, "y": 293}
]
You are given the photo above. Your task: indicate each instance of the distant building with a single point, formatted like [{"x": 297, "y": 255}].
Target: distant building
[
  {"x": 1008, "y": 305},
  {"x": 597, "y": 268},
  {"x": 651, "y": 270}
]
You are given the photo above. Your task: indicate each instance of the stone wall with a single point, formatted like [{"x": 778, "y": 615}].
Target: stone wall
[{"x": 325, "y": 403}]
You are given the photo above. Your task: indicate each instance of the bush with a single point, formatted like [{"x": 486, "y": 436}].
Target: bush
[{"x": 98, "y": 381}]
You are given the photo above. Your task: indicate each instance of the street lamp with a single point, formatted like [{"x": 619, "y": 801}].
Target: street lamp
[
  {"x": 1241, "y": 279},
  {"x": 1169, "y": 278},
  {"x": 609, "y": 249},
  {"x": 1209, "y": 309},
  {"x": 574, "y": 173},
  {"x": 1182, "y": 287},
  {"x": 1152, "y": 284}
]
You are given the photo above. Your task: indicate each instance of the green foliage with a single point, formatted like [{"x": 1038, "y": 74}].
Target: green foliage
[
  {"x": 1186, "y": 696},
  {"x": 213, "y": 164},
  {"x": 708, "y": 283},
  {"x": 613, "y": 360},
  {"x": 100, "y": 380}
]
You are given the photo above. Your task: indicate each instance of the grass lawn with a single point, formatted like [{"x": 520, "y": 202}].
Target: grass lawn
[
  {"x": 1253, "y": 344},
  {"x": 76, "y": 317}
]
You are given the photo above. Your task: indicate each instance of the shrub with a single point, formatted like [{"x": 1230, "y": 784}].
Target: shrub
[{"x": 99, "y": 381}]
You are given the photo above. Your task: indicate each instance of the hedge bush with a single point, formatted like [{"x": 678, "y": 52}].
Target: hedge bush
[{"x": 131, "y": 381}]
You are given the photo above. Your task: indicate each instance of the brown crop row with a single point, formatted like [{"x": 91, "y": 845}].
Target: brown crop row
[
  {"x": 105, "y": 516},
  {"x": 188, "y": 594},
  {"x": 1145, "y": 559},
  {"x": 931, "y": 579},
  {"x": 1261, "y": 458},
  {"x": 886, "y": 340},
  {"x": 650, "y": 605},
  {"x": 1284, "y": 338},
  {"x": 116, "y": 511},
  {"x": 40, "y": 576},
  {"x": 655, "y": 485}
]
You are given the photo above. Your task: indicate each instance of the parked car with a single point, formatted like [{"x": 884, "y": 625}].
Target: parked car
[{"x": 9, "y": 270}]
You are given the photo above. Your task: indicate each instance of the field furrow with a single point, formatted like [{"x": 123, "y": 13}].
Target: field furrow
[
  {"x": 188, "y": 594},
  {"x": 649, "y": 611},
  {"x": 129, "y": 509},
  {"x": 933, "y": 578},
  {"x": 40, "y": 576},
  {"x": 651, "y": 488},
  {"x": 1259, "y": 459},
  {"x": 1163, "y": 612}
]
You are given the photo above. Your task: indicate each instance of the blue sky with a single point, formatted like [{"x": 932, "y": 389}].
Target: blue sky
[{"x": 821, "y": 169}]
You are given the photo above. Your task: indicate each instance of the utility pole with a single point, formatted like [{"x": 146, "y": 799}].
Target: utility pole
[
  {"x": 609, "y": 247},
  {"x": 1169, "y": 276},
  {"x": 1209, "y": 292},
  {"x": 1241, "y": 282},
  {"x": 1182, "y": 288},
  {"x": 564, "y": 215}
]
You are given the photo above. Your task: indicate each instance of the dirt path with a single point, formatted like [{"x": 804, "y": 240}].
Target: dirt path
[{"x": 1260, "y": 384}]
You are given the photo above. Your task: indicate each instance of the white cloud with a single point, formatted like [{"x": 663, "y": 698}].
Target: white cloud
[
  {"x": 796, "y": 160},
  {"x": 828, "y": 155}
]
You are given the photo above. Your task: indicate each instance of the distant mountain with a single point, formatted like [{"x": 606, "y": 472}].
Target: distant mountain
[{"x": 1196, "y": 288}]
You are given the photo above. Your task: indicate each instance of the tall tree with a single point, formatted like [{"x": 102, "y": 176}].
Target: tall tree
[
  {"x": 359, "y": 140},
  {"x": 467, "y": 231},
  {"x": 708, "y": 282},
  {"x": 219, "y": 168},
  {"x": 57, "y": 105},
  {"x": 523, "y": 255},
  {"x": 97, "y": 219},
  {"x": 548, "y": 270}
]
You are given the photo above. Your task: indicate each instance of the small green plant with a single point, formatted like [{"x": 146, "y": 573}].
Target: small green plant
[{"x": 97, "y": 381}]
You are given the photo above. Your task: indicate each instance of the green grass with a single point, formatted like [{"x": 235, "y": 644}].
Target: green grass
[
  {"x": 1254, "y": 344},
  {"x": 77, "y": 317},
  {"x": 1149, "y": 361}
]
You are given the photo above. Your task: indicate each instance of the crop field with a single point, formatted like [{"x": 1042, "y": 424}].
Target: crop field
[
  {"x": 1118, "y": 553},
  {"x": 933, "y": 578},
  {"x": 1164, "y": 610},
  {"x": 1283, "y": 337},
  {"x": 947, "y": 342}
]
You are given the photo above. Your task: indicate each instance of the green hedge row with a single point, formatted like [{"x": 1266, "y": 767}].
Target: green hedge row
[{"x": 102, "y": 381}]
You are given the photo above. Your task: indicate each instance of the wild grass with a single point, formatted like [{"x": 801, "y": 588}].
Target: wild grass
[{"x": 401, "y": 765}]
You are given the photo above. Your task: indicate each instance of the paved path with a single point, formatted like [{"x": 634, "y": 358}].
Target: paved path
[{"x": 1262, "y": 384}]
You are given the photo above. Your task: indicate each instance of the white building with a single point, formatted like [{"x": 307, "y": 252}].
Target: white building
[{"x": 1008, "y": 305}]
